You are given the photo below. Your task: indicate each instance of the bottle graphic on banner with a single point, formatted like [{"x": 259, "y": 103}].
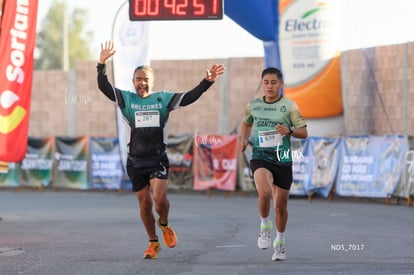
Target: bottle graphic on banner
[{"x": 310, "y": 56}]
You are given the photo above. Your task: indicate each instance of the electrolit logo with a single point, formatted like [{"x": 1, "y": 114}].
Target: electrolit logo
[
  {"x": 309, "y": 55},
  {"x": 308, "y": 24},
  {"x": 308, "y": 39}
]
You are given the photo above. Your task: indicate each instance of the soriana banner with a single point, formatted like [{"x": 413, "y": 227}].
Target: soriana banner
[
  {"x": 215, "y": 162},
  {"x": 309, "y": 50},
  {"x": 17, "y": 43}
]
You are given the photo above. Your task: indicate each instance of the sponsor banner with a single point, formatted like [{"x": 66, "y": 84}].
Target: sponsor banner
[
  {"x": 17, "y": 43},
  {"x": 245, "y": 176},
  {"x": 324, "y": 155},
  {"x": 180, "y": 156},
  {"x": 36, "y": 167},
  {"x": 105, "y": 164},
  {"x": 301, "y": 167},
  {"x": 310, "y": 55},
  {"x": 215, "y": 162},
  {"x": 4, "y": 167},
  {"x": 405, "y": 187},
  {"x": 71, "y": 163},
  {"x": 409, "y": 169},
  {"x": 371, "y": 166},
  {"x": 11, "y": 177}
]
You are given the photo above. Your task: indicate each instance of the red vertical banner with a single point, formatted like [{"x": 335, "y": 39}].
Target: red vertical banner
[
  {"x": 1, "y": 9},
  {"x": 215, "y": 162},
  {"x": 17, "y": 43}
]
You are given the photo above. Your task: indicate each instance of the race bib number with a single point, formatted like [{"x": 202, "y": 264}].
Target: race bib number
[
  {"x": 270, "y": 138},
  {"x": 147, "y": 119}
]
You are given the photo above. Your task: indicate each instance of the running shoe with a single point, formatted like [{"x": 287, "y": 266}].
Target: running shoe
[
  {"x": 264, "y": 241},
  {"x": 278, "y": 251},
  {"x": 152, "y": 250},
  {"x": 168, "y": 234}
]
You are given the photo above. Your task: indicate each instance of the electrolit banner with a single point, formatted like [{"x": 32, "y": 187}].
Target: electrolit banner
[{"x": 310, "y": 55}]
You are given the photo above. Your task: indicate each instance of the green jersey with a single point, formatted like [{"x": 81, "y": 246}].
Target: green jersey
[{"x": 268, "y": 144}]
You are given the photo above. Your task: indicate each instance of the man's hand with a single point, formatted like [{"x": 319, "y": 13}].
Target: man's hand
[
  {"x": 107, "y": 50},
  {"x": 243, "y": 145},
  {"x": 214, "y": 72}
]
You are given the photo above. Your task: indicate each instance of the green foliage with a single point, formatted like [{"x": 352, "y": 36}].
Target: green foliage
[{"x": 50, "y": 39}]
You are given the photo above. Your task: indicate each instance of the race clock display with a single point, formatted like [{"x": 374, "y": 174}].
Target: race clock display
[{"x": 144, "y": 10}]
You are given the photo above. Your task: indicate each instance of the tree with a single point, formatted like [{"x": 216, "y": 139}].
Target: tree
[{"x": 50, "y": 39}]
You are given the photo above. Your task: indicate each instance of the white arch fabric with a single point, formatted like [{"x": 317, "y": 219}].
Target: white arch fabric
[{"x": 130, "y": 39}]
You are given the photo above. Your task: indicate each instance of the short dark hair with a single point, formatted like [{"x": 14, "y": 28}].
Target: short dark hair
[
  {"x": 272, "y": 70},
  {"x": 144, "y": 68}
]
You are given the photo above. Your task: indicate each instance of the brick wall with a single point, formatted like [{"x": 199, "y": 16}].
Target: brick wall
[
  {"x": 53, "y": 105},
  {"x": 70, "y": 103},
  {"x": 378, "y": 90}
]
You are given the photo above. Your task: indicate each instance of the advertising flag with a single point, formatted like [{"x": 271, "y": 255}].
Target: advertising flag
[{"x": 17, "y": 43}]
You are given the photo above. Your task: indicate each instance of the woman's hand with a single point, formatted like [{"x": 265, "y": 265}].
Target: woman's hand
[
  {"x": 107, "y": 50},
  {"x": 214, "y": 72}
]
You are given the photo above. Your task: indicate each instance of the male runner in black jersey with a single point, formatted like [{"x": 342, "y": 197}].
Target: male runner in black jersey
[{"x": 146, "y": 113}]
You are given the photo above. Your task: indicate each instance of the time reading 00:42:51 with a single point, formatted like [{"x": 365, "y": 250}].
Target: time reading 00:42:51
[{"x": 146, "y": 10}]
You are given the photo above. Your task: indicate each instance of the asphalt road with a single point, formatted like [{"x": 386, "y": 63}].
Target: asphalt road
[{"x": 101, "y": 233}]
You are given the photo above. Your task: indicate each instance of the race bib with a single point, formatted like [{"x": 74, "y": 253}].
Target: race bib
[
  {"x": 147, "y": 119},
  {"x": 270, "y": 138}
]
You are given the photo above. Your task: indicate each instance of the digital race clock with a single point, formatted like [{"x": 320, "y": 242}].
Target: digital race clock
[{"x": 141, "y": 10}]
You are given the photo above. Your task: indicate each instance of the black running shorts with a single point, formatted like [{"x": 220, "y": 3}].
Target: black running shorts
[
  {"x": 282, "y": 174},
  {"x": 140, "y": 177}
]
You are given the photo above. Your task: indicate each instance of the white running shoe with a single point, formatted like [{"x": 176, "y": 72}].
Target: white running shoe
[
  {"x": 278, "y": 251},
  {"x": 264, "y": 241}
]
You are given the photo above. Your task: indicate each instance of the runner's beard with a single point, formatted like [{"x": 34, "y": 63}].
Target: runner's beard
[{"x": 142, "y": 91}]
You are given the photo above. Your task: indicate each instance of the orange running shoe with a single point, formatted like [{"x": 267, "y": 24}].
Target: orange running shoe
[
  {"x": 168, "y": 234},
  {"x": 152, "y": 250}
]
